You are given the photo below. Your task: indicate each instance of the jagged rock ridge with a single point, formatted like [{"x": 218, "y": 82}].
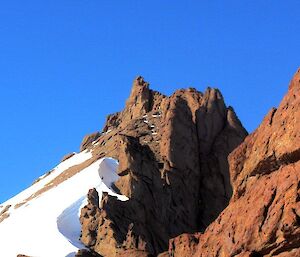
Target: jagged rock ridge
[
  {"x": 263, "y": 216},
  {"x": 173, "y": 166}
]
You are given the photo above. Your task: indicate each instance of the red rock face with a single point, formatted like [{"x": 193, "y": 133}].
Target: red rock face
[
  {"x": 173, "y": 166},
  {"x": 263, "y": 217}
]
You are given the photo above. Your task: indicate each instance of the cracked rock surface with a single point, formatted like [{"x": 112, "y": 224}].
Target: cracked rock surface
[
  {"x": 263, "y": 216},
  {"x": 173, "y": 167}
]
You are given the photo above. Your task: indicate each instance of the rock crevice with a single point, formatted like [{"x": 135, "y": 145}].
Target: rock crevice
[
  {"x": 173, "y": 166},
  {"x": 262, "y": 218}
]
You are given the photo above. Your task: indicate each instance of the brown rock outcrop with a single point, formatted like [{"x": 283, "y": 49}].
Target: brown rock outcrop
[
  {"x": 263, "y": 217},
  {"x": 172, "y": 154},
  {"x": 183, "y": 245},
  {"x": 67, "y": 156},
  {"x": 88, "y": 139}
]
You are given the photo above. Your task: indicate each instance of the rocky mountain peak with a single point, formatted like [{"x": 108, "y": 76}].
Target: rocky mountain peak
[
  {"x": 172, "y": 154},
  {"x": 295, "y": 82},
  {"x": 183, "y": 182},
  {"x": 140, "y": 99},
  {"x": 170, "y": 176},
  {"x": 262, "y": 218},
  {"x": 140, "y": 93}
]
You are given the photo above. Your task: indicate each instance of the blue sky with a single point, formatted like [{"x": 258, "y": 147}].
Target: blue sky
[{"x": 65, "y": 65}]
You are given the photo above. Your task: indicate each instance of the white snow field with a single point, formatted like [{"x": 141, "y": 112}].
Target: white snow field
[{"x": 48, "y": 225}]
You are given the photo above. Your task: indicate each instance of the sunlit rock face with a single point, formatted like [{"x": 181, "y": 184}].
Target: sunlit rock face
[
  {"x": 173, "y": 167},
  {"x": 263, "y": 216}
]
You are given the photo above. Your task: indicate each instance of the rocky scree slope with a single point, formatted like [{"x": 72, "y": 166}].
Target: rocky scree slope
[
  {"x": 173, "y": 167},
  {"x": 263, "y": 216}
]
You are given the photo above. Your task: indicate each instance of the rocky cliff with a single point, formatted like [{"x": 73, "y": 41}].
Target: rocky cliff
[
  {"x": 263, "y": 216},
  {"x": 173, "y": 167},
  {"x": 197, "y": 186}
]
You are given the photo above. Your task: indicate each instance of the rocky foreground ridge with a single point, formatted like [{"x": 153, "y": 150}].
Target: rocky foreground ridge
[
  {"x": 263, "y": 216},
  {"x": 174, "y": 168}
]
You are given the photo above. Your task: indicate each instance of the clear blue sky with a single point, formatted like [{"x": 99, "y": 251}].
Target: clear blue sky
[{"x": 64, "y": 65}]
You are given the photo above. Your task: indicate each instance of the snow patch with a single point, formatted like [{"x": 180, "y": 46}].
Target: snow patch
[
  {"x": 60, "y": 168},
  {"x": 49, "y": 225},
  {"x": 108, "y": 131},
  {"x": 156, "y": 115}
]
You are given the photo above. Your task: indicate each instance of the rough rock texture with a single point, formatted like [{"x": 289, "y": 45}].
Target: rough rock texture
[
  {"x": 86, "y": 253},
  {"x": 183, "y": 245},
  {"x": 4, "y": 214},
  {"x": 88, "y": 139},
  {"x": 173, "y": 166},
  {"x": 263, "y": 217},
  {"x": 67, "y": 156}
]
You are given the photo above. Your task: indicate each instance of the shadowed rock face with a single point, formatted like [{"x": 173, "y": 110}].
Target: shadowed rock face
[
  {"x": 263, "y": 216},
  {"x": 86, "y": 253},
  {"x": 172, "y": 154}
]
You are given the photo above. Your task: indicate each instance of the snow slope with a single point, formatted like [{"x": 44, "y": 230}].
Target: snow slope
[{"x": 48, "y": 225}]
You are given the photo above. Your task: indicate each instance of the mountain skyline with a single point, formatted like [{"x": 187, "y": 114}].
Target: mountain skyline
[
  {"x": 169, "y": 176},
  {"x": 65, "y": 66}
]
